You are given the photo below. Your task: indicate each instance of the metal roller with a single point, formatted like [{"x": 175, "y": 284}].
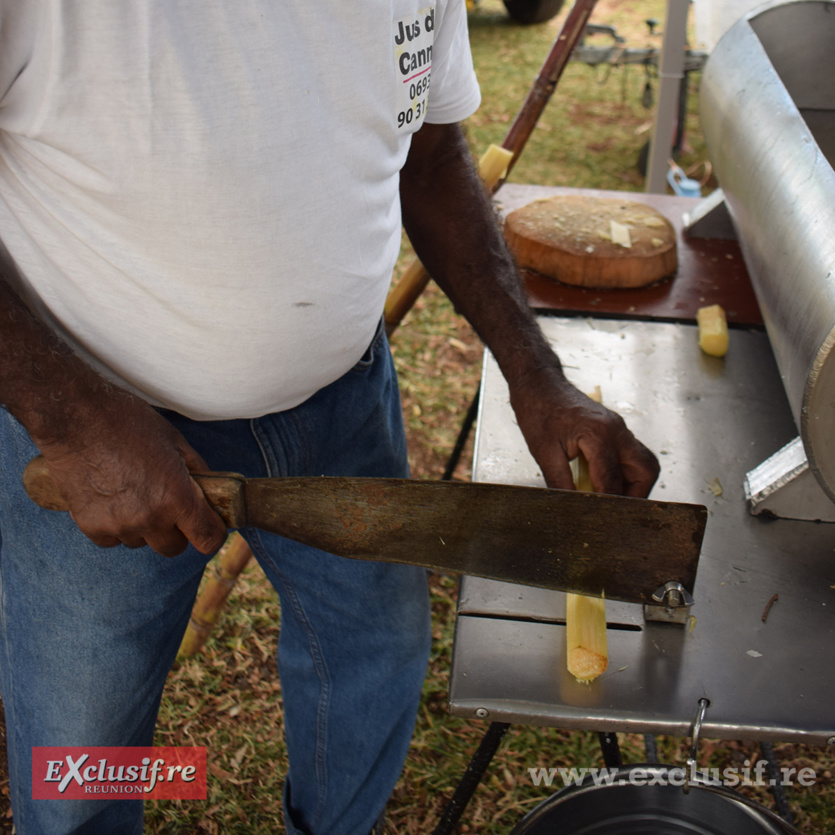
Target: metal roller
[{"x": 768, "y": 115}]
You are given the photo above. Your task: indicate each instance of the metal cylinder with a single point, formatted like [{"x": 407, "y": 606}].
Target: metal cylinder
[{"x": 768, "y": 115}]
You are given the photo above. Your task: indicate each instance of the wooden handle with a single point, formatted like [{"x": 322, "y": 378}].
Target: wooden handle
[
  {"x": 38, "y": 483},
  {"x": 549, "y": 75},
  {"x": 223, "y": 491}
]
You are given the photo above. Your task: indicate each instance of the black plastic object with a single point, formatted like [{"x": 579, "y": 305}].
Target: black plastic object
[{"x": 533, "y": 11}]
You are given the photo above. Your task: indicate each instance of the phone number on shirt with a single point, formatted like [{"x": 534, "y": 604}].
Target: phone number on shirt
[{"x": 413, "y": 114}]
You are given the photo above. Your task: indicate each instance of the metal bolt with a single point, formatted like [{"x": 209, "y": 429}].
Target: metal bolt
[
  {"x": 672, "y": 595},
  {"x": 673, "y": 598},
  {"x": 831, "y": 740},
  {"x": 482, "y": 713}
]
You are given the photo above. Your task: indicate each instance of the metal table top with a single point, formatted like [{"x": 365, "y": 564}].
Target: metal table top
[{"x": 710, "y": 421}]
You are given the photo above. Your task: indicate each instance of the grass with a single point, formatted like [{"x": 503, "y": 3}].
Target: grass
[{"x": 228, "y": 699}]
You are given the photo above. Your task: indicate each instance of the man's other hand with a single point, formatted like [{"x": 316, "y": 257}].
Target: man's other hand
[{"x": 559, "y": 422}]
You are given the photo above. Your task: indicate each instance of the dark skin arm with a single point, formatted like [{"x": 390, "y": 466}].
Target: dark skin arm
[
  {"x": 449, "y": 220},
  {"x": 123, "y": 469}
]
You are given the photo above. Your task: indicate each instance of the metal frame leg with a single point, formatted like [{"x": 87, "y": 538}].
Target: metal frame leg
[
  {"x": 610, "y": 748},
  {"x": 651, "y": 744},
  {"x": 463, "y": 435},
  {"x": 776, "y": 788},
  {"x": 472, "y": 777}
]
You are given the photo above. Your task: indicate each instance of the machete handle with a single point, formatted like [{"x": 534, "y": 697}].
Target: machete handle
[
  {"x": 38, "y": 483},
  {"x": 223, "y": 491}
]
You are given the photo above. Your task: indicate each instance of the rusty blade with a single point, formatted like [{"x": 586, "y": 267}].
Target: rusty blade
[{"x": 556, "y": 539}]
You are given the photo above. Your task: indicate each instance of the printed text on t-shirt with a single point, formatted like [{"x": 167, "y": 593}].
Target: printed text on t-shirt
[{"x": 413, "y": 39}]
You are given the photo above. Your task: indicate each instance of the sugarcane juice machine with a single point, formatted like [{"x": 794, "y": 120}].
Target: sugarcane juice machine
[{"x": 750, "y": 435}]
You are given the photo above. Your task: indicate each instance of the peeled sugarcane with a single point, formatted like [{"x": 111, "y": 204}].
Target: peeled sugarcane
[
  {"x": 493, "y": 165},
  {"x": 587, "y": 652},
  {"x": 585, "y": 631}
]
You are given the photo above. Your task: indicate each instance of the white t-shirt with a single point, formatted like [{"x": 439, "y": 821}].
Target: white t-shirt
[{"x": 202, "y": 198}]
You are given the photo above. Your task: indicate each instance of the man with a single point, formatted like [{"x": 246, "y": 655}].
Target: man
[{"x": 200, "y": 205}]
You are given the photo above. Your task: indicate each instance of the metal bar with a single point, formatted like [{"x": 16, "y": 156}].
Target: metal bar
[{"x": 670, "y": 72}]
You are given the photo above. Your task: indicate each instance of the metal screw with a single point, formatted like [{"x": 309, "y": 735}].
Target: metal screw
[
  {"x": 482, "y": 713},
  {"x": 831, "y": 740}
]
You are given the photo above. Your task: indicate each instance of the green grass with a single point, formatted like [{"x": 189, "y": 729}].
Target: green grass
[{"x": 228, "y": 698}]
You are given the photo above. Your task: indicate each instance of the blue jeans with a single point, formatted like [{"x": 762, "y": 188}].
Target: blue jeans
[{"x": 89, "y": 634}]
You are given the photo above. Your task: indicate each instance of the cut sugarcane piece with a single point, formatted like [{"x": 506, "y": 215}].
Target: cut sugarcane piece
[
  {"x": 587, "y": 654},
  {"x": 713, "y": 330},
  {"x": 493, "y": 164},
  {"x": 620, "y": 234},
  {"x": 585, "y": 634}
]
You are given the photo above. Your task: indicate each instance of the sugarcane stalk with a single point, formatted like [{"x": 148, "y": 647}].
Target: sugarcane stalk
[
  {"x": 587, "y": 654},
  {"x": 225, "y": 569},
  {"x": 547, "y": 79}
]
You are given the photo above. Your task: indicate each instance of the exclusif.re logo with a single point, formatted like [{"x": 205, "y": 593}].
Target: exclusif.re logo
[{"x": 147, "y": 773}]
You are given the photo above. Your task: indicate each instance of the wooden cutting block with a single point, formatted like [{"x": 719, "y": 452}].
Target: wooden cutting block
[{"x": 593, "y": 241}]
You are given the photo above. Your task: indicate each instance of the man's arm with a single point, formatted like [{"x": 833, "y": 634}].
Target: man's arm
[
  {"x": 449, "y": 220},
  {"x": 122, "y": 468}
]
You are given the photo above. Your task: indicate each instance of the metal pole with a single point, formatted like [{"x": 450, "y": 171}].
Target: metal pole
[{"x": 671, "y": 72}]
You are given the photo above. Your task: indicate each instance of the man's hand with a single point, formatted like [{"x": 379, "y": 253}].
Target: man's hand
[
  {"x": 125, "y": 477},
  {"x": 559, "y": 423},
  {"x": 121, "y": 467},
  {"x": 449, "y": 219}
]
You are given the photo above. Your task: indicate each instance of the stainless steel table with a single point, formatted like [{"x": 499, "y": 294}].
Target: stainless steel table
[{"x": 710, "y": 421}]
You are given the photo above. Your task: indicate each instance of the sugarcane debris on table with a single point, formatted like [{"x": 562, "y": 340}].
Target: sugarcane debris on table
[{"x": 713, "y": 330}]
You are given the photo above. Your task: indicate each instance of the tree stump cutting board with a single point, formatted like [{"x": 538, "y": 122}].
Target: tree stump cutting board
[{"x": 593, "y": 241}]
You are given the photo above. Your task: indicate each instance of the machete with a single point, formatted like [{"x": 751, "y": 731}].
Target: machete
[{"x": 590, "y": 543}]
